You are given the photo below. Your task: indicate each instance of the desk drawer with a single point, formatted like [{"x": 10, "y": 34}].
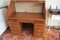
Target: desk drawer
[
  {"x": 39, "y": 22},
  {"x": 14, "y": 27}
]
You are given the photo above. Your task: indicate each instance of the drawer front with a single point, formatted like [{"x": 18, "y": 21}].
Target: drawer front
[
  {"x": 39, "y": 22},
  {"x": 15, "y": 27},
  {"x": 39, "y": 30},
  {"x": 38, "y": 34},
  {"x": 39, "y": 27}
]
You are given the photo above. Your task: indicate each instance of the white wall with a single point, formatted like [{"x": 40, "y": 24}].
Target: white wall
[
  {"x": 55, "y": 21},
  {"x": 3, "y": 25},
  {"x": 4, "y": 3},
  {"x": 53, "y": 3}
]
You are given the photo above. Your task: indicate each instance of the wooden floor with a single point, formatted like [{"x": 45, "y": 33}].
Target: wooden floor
[{"x": 52, "y": 35}]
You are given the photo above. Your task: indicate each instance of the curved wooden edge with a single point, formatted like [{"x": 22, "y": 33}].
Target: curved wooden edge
[
  {"x": 41, "y": 1},
  {"x": 11, "y": 9}
]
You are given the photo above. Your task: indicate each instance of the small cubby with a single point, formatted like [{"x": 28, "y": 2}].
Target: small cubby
[{"x": 28, "y": 27}]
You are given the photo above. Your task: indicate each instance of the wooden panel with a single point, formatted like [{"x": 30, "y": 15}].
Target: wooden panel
[
  {"x": 38, "y": 34},
  {"x": 15, "y": 27},
  {"x": 28, "y": 16},
  {"x": 34, "y": 7},
  {"x": 11, "y": 9},
  {"x": 28, "y": 0},
  {"x": 39, "y": 22},
  {"x": 39, "y": 30}
]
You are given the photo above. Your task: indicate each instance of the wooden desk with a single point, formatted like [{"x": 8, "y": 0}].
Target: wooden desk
[{"x": 16, "y": 19}]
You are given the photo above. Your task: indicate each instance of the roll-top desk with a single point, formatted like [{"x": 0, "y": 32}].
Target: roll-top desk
[{"x": 27, "y": 13}]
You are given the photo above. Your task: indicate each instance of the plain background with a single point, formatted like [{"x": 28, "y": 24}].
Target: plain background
[{"x": 53, "y": 3}]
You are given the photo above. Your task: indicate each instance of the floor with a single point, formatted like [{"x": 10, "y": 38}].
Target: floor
[{"x": 53, "y": 34}]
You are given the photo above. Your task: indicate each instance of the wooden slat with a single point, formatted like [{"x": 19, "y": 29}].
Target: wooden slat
[{"x": 28, "y": 0}]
